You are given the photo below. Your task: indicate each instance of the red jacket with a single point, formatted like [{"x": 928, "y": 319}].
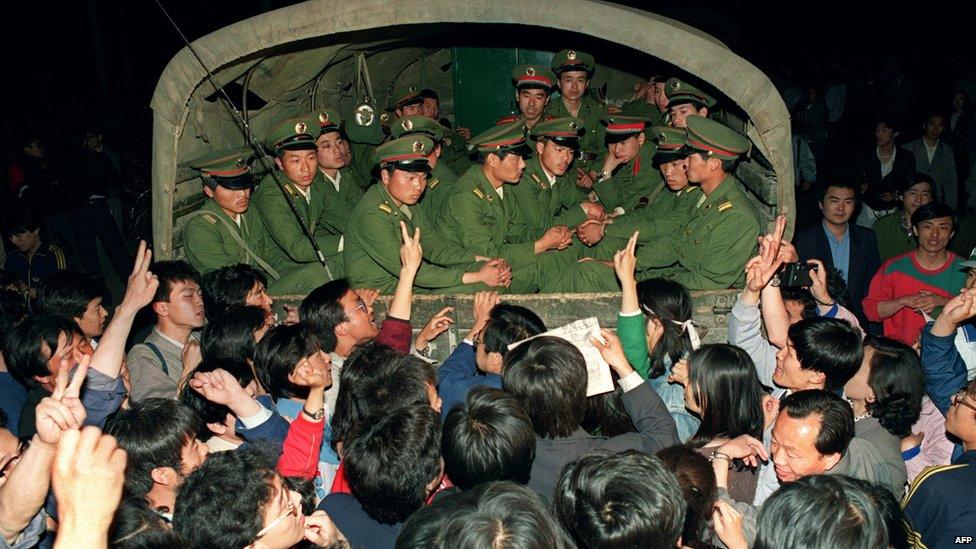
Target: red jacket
[{"x": 300, "y": 452}]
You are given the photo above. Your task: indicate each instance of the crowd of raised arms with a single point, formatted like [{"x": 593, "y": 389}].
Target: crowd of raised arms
[{"x": 840, "y": 412}]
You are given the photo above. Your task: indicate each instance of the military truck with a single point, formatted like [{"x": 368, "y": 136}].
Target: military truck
[{"x": 320, "y": 53}]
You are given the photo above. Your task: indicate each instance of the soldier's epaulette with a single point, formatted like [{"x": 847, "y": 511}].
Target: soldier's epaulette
[
  {"x": 478, "y": 192},
  {"x": 537, "y": 180},
  {"x": 384, "y": 208},
  {"x": 724, "y": 206},
  {"x": 290, "y": 190},
  {"x": 433, "y": 183},
  {"x": 507, "y": 119},
  {"x": 210, "y": 218}
]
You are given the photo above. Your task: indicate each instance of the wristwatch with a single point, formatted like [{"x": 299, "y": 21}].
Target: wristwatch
[
  {"x": 317, "y": 416},
  {"x": 603, "y": 175}
]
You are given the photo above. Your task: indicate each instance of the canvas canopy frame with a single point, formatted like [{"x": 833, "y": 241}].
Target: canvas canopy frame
[{"x": 187, "y": 120}]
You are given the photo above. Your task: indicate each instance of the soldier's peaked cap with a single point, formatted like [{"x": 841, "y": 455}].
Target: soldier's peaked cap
[
  {"x": 533, "y": 77},
  {"x": 417, "y": 124},
  {"x": 294, "y": 134},
  {"x": 228, "y": 168},
  {"x": 680, "y": 92},
  {"x": 573, "y": 60},
  {"x": 716, "y": 139},
  {"x": 564, "y": 131},
  {"x": 329, "y": 120},
  {"x": 504, "y": 138},
  {"x": 671, "y": 143},
  {"x": 408, "y": 153}
]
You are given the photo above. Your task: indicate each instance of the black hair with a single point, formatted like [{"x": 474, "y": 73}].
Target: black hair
[
  {"x": 933, "y": 210},
  {"x": 68, "y": 293},
  {"x": 136, "y": 526},
  {"x": 425, "y": 527},
  {"x": 229, "y": 286},
  {"x": 820, "y": 511},
  {"x": 499, "y": 334},
  {"x": 836, "y": 289},
  {"x": 697, "y": 482},
  {"x": 30, "y": 344},
  {"x": 153, "y": 433},
  {"x": 3, "y": 419},
  {"x": 889, "y": 507},
  {"x": 889, "y": 122},
  {"x": 277, "y": 355},
  {"x": 502, "y": 514},
  {"x": 840, "y": 181},
  {"x": 724, "y": 382},
  {"x": 827, "y": 345},
  {"x": 428, "y": 93},
  {"x": 929, "y": 115},
  {"x": 668, "y": 302},
  {"x": 605, "y": 413},
  {"x": 626, "y": 499},
  {"x": 21, "y": 219},
  {"x": 919, "y": 177},
  {"x": 221, "y": 503},
  {"x": 547, "y": 375},
  {"x": 836, "y": 417},
  {"x": 488, "y": 437},
  {"x": 211, "y": 412},
  {"x": 231, "y": 334},
  {"x": 729, "y": 164},
  {"x": 519, "y": 315},
  {"x": 390, "y": 464},
  {"x": 376, "y": 380},
  {"x": 169, "y": 273},
  {"x": 321, "y": 309},
  {"x": 898, "y": 384},
  {"x": 13, "y": 309}
]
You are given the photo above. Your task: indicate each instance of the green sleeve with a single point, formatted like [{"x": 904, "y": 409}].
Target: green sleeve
[
  {"x": 203, "y": 245},
  {"x": 362, "y": 162},
  {"x": 723, "y": 256},
  {"x": 284, "y": 229},
  {"x": 375, "y": 237},
  {"x": 609, "y": 193},
  {"x": 662, "y": 252},
  {"x": 631, "y": 331},
  {"x": 571, "y": 216}
]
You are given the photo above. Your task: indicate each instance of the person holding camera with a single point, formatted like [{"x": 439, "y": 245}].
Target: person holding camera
[{"x": 839, "y": 243}]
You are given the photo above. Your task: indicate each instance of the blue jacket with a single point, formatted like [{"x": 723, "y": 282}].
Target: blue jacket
[
  {"x": 458, "y": 375},
  {"x": 940, "y": 505}
]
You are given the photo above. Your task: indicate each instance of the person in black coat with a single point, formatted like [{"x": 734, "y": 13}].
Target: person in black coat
[
  {"x": 837, "y": 235},
  {"x": 881, "y": 171}
]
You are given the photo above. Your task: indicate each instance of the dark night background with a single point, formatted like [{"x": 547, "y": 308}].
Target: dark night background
[{"x": 71, "y": 61}]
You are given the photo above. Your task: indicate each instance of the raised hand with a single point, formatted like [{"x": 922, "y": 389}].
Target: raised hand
[
  {"x": 142, "y": 284},
  {"x": 612, "y": 351},
  {"x": 218, "y": 386},
  {"x": 291, "y": 315},
  {"x": 728, "y": 526},
  {"x": 411, "y": 252},
  {"x": 191, "y": 355},
  {"x": 88, "y": 471},
  {"x": 437, "y": 325},
  {"x": 746, "y": 448},
  {"x": 62, "y": 411},
  {"x": 625, "y": 260},
  {"x": 760, "y": 269},
  {"x": 368, "y": 295},
  {"x": 818, "y": 287},
  {"x": 679, "y": 372},
  {"x": 320, "y": 530},
  {"x": 484, "y": 302}
]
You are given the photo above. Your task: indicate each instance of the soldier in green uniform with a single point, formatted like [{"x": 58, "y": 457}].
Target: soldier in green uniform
[
  {"x": 225, "y": 231},
  {"x": 547, "y": 195},
  {"x": 669, "y": 205},
  {"x": 628, "y": 177},
  {"x": 342, "y": 184},
  {"x": 574, "y": 69},
  {"x": 685, "y": 100},
  {"x": 708, "y": 251},
  {"x": 650, "y": 100},
  {"x": 413, "y": 101},
  {"x": 442, "y": 181},
  {"x": 482, "y": 220},
  {"x": 371, "y": 252},
  {"x": 533, "y": 84},
  {"x": 304, "y": 186}
]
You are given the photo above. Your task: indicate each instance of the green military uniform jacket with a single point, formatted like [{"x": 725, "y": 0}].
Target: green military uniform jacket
[
  {"x": 711, "y": 249},
  {"x": 208, "y": 246},
  {"x": 454, "y": 151},
  {"x": 324, "y": 218},
  {"x": 632, "y": 183},
  {"x": 659, "y": 218},
  {"x": 540, "y": 205},
  {"x": 591, "y": 112},
  {"x": 372, "y": 248},
  {"x": 361, "y": 163},
  {"x": 350, "y": 190},
  {"x": 893, "y": 239},
  {"x": 481, "y": 222},
  {"x": 441, "y": 186}
]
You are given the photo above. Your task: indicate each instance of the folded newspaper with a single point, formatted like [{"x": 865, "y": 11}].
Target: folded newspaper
[{"x": 598, "y": 378}]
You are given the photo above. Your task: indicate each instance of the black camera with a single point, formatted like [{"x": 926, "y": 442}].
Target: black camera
[{"x": 796, "y": 275}]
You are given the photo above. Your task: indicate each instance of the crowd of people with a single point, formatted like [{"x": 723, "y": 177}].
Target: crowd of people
[{"x": 841, "y": 412}]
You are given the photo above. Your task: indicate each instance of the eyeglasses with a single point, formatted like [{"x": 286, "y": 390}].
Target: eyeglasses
[
  {"x": 360, "y": 306},
  {"x": 290, "y": 510},
  {"x": 958, "y": 399}
]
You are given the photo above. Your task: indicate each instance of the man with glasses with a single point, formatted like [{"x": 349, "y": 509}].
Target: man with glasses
[{"x": 940, "y": 506}]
